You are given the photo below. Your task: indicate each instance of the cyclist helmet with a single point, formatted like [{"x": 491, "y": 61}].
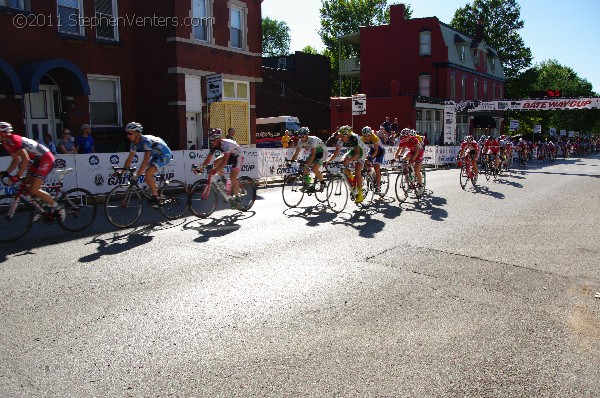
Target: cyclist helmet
[
  {"x": 215, "y": 134},
  {"x": 134, "y": 126},
  {"x": 413, "y": 132},
  {"x": 5, "y": 127},
  {"x": 345, "y": 130},
  {"x": 469, "y": 138},
  {"x": 367, "y": 130},
  {"x": 302, "y": 131},
  {"x": 405, "y": 132}
]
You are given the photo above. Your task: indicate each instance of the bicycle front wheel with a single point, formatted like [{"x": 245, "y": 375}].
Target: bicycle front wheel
[
  {"x": 80, "y": 206},
  {"x": 368, "y": 190},
  {"x": 247, "y": 193},
  {"x": 174, "y": 199},
  {"x": 384, "y": 187},
  {"x": 464, "y": 176},
  {"x": 337, "y": 194},
  {"x": 202, "y": 199},
  {"x": 15, "y": 226},
  {"x": 401, "y": 187},
  {"x": 123, "y": 206},
  {"x": 293, "y": 190}
]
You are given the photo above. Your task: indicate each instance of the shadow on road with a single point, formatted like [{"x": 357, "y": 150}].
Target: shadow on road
[
  {"x": 314, "y": 215},
  {"x": 430, "y": 205},
  {"x": 482, "y": 189},
  {"x": 361, "y": 221},
  {"x": 216, "y": 227}
]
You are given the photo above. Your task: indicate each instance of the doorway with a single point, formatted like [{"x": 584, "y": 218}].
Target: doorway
[{"x": 42, "y": 112}]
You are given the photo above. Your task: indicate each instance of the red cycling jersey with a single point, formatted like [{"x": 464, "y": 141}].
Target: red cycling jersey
[
  {"x": 41, "y": 158},
  {"x": 467, "y": 146},
  {"x": 491, "y": 146},
  {"x": 413, "y": 144}
]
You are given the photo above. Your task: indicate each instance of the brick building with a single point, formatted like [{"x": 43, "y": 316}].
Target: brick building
[
  {"x": 68, "y": 62},
  {"x": 296, "y": 85},
  {"x": 409, "y": 68}
]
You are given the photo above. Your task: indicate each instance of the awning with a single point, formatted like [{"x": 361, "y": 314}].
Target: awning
[
  {"x": 9, "y": 80},
  {"x": 70, "y": 78},
  {"x": 484, "y": 122}
]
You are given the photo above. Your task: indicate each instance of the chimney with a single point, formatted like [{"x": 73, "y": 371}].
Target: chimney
[
  {"x": 479, "y": 30},
  {"x": 396, "y": 13}
]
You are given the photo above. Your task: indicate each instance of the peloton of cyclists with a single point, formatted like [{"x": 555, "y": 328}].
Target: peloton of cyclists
[
  {"x": 313, "y": 161},
  {"x": 357, "y": 154}
]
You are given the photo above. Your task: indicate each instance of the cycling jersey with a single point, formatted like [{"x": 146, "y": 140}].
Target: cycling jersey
[
  {"x": 160, "y": 153},
  {"x": 353, "y": 142},
  {"x": 491, "y": 146},
  {"x": 41, "y": 158},
  {"x": 370, "y": 140},
  {"x": 235, "y": 151},
  {"x": 470, "y": 148},
  {"x": 318, "y": 144},
  {"x": 413, "y": 144}
]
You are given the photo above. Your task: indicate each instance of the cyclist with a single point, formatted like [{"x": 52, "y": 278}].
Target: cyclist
[
  {"x": 470, "y": 148},
  {"x": 314, "y": 160},
  {"x": 232, "y": 155},
  {"x": 357, "y": 154},
  {"x": 552, "y": 149},
  {"x": 411, "y": 150},
  {"x": 156, "y": 154},
  {"x": 376, "y": 153},
  {"x": 23, "y": 151},
  {"x": 492, "y": 147}
]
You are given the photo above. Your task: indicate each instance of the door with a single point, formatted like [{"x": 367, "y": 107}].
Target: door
[
  {"x": 42, "y": 112},
  {"x": 193, "y": 129}
]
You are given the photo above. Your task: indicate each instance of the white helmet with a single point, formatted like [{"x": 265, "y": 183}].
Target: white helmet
[
  {"x": 5, "y": 127},
  {"x": 134, "y": 126}
]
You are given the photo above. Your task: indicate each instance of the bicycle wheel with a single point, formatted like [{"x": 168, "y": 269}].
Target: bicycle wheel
[
  {"x": 202, "y": 199},
  {"x": 174, "y": 199},
  {"x": 384, "y": 187},
  {"x": 123, "y": 206},
  {"x": 402, "y": 187},
  {"x": 321, "y": 193},
  {"x": 19, "y": 224},
  {"x": 464, "y": 176},
  {"x": 337, "y": 194},
  {"x": 424, "y": 177},
  {"x": 488, "y": 171},
  {"x": 368, "y": 189},
  {"x": 247, "y": 193},
  {"x": 293, "y": 190},
  {"x": 80, "y": 206}
]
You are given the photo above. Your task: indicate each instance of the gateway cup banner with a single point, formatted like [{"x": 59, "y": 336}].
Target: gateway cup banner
[{"x": 535, "y": 104}]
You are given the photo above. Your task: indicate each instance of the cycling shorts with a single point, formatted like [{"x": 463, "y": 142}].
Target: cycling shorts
[
  {"x": 41, "y": 166},
  {"x": 380, "y": 155},
  {"x": 159, "y": 160}
]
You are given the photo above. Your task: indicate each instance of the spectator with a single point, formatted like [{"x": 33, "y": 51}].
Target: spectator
[
  {"x": 387, "y": 125},
  {"x": 48, "y": 143},
  {"x": 395, "y": 126},
  {"x": 85, "y": 142},
  {"x": 383, "y": 134},
  {"x": 230, "y": 133},
  {"x": 333, "y": 139},
  {"x": 285, "y": 140},
  {"x": 66, "y": 144}
]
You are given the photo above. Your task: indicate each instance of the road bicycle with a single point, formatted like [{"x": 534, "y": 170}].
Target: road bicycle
[
  {"x": 340, "y": 187},
  {"x": 406, "y": 181},
  {"x": 124, "y": 203},
  {"x": 202, "y": 197},
  {"x": 296, "y": 184},
  {"x": 467, "y": 173},
  {"x": 489, "y": 167},
  {"x": 18, "y": 212},
  {"x": 384, "y": 185}
]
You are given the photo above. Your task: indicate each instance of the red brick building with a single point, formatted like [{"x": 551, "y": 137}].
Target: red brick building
[
  {"x": 68, "y": 62},
  {"x": 409, "y": 68}
]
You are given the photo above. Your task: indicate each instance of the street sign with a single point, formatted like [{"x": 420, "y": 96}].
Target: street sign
[
  {"x": 359, "y": 104},
  {"x": 537, "y": 128},
  {"x": 514, "y": 124}
]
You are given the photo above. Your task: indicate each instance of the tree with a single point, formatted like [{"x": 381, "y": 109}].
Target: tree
[
  {"x": 552, "y": 75},
  {"x": 276, "y": 38},
  {"x": 310, "y": 50},
  {"x": 501, "y": 21},
  {"x": 340, "y": 17}
]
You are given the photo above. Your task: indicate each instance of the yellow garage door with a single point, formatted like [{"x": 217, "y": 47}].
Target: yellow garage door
[{"x": 234, "y": 114}]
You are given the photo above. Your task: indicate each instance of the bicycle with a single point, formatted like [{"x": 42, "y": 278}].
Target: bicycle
[
  {"x": 467, "y": 173},
  {"x": 384, "y": 185},
  {"x": 490, "y": 167},
  {"x": 407, "y": 181},
  {"x": 295, "y": 185},
  {"x": 202, "y": 197},
  {"x": 18, "y": 212},
  {"x": 123, "y": 205}
]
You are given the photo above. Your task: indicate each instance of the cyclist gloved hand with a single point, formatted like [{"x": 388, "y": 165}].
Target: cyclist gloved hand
[
  {"x": 14, "y": 179},
  {"x": 133, "y": 179}
]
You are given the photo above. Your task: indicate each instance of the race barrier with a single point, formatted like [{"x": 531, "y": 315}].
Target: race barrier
[{"x": 94, "y": 172}]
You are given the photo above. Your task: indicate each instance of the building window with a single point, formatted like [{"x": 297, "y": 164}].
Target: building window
[
  {"x": 462, "y": 52},
  {"x": 424, "y": 84},
  {"x": 16, "y": 4},
  {"x": 70, "y": 13},
  {"x": 236, "y": 19},
  {"x": 106, "y": 14},
  {"x": 463, "y": 87},
  {"x": 236, "y": 90},
  {"x": 493, "y": 64},
  {"x": 202, "y": 21},
  {"x": 105, "y": 100},
  {"x": 453, "y": 87},
  {"x": 485, "y": 96},
  {"x": 462, "y": 127},
  {"x": 475, "y": 88},
  {"x": 425, "y": 43},
  {"x": 494, "y": 90}
]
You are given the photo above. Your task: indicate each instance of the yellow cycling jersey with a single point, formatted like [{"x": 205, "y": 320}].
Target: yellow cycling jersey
[
  {"x": 420, "y": 138},
  {"x": 370, "y": 139}
]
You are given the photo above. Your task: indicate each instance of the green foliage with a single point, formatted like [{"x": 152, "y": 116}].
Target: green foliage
[
  {"x": 550, "y": 74},
  {"x": 276, "y": 38},
  {"x": 340, "y": 17},
  {"x": 501, "y": 21},
  {"x": 310, "y": 50}
]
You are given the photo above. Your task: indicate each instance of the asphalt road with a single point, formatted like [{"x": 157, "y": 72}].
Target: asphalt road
[{"x": 477, "y": 293}]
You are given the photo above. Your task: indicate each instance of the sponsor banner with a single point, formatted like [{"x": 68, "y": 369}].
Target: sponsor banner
[
  {"x": 60, "y": 162},
  {"x": 514, "y": 124},
  {"x": 530, "y": 104},
  {"x": 537, "y": 128},
  {"x": 359, "y": 104},
  {"x": 449, "y": 123},
  {"x": 214, "y": 88}
]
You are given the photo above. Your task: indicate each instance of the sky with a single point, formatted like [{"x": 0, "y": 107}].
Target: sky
[{"x": 568, "y": 31}]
